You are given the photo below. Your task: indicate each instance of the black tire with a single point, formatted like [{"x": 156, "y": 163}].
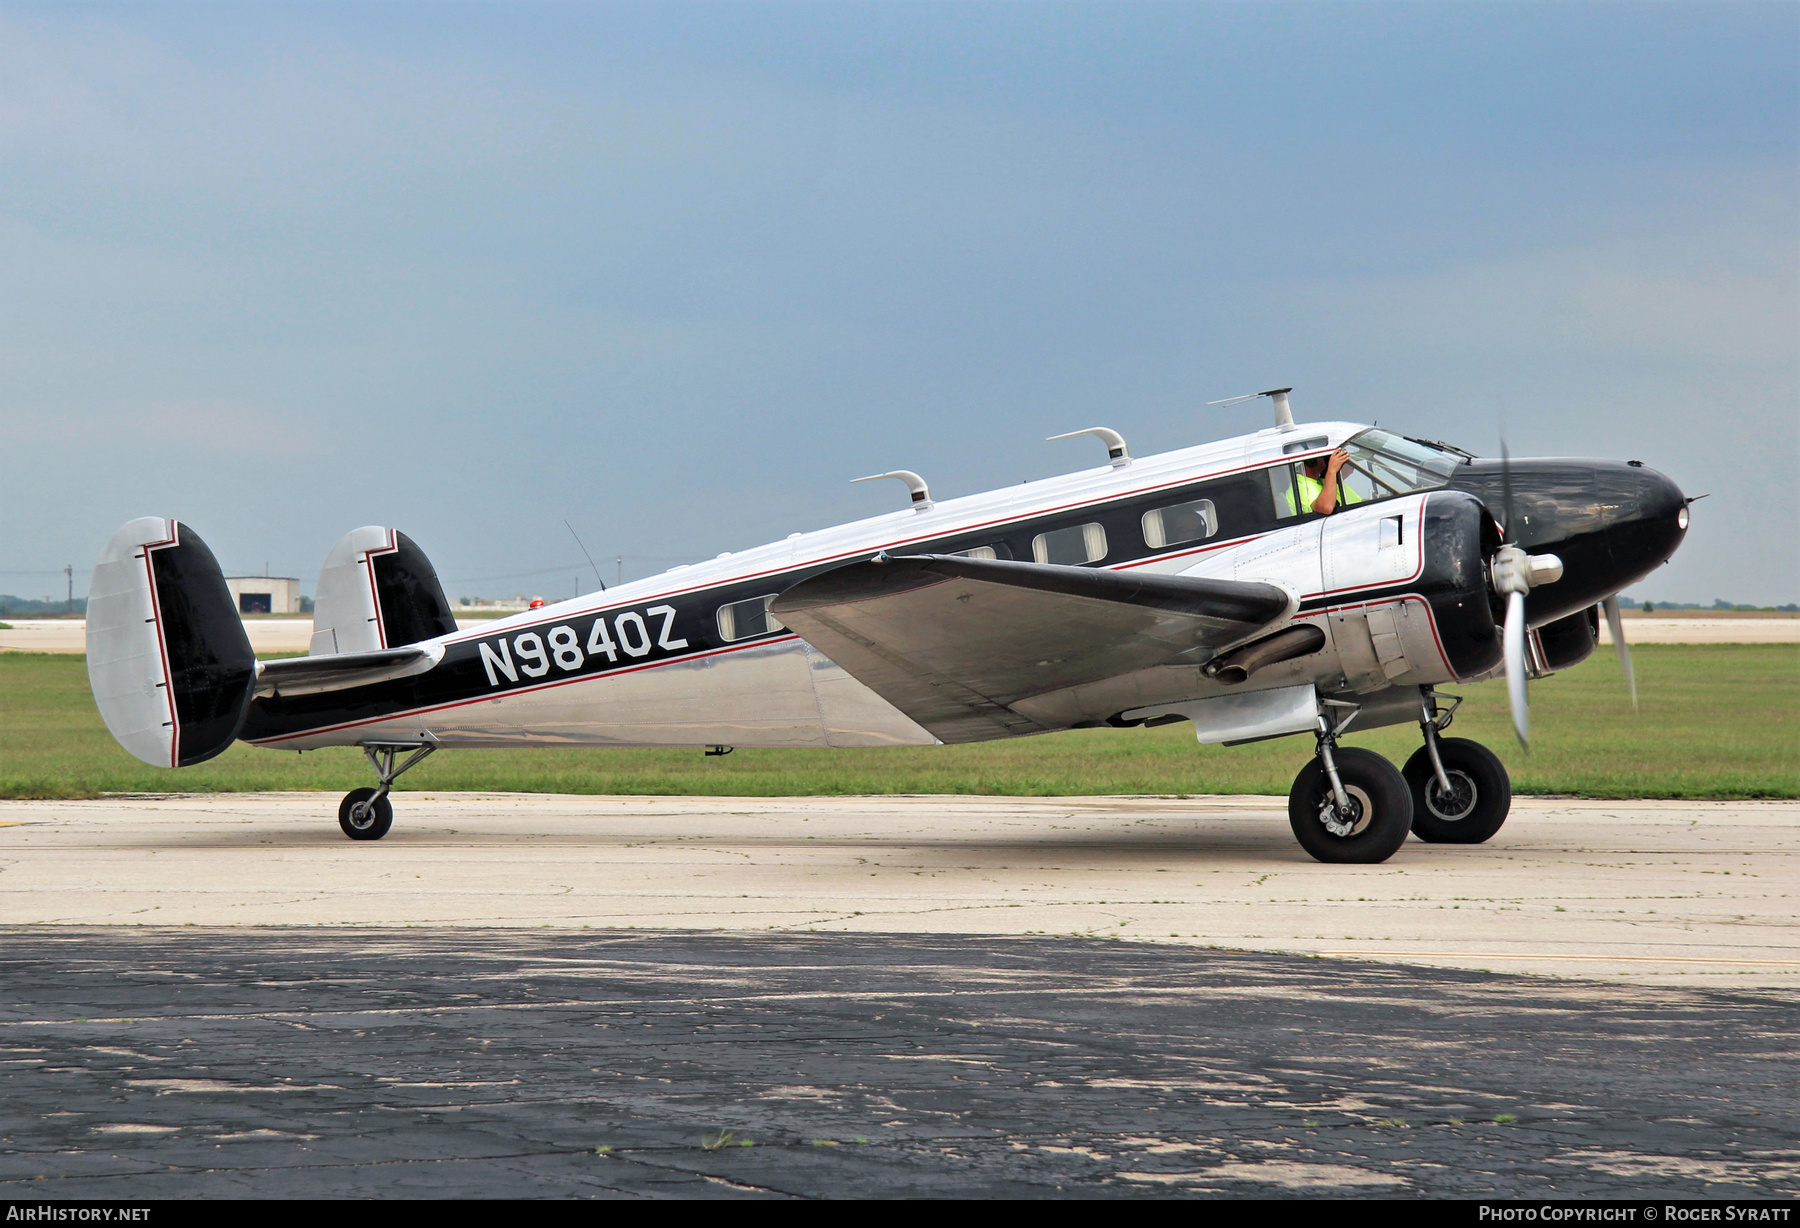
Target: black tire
[
  {"x": 1480, "y": 804},
  {"x": 375, "y": 824},
  {"x": 1382, "y": 808}
]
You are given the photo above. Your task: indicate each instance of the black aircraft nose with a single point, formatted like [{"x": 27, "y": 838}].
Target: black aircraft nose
[
  {"x": 1611, "y": 522},
  {"x": 1646, "y": 517},
  {"x": 1638, "y": 518}
]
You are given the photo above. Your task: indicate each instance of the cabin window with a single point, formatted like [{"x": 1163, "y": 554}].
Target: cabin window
[
  {"x": 996, "y": 551},
  {"x": 742, "y": 619},
  {"x": 1185, "y": 522},
  {"x": 1071, "y": 547}
]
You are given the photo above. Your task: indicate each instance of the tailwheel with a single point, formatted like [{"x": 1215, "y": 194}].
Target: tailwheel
[
  {"x": 1368, "y": 825},
  {"x": 366, "y": 814},
  {"x": 1474, "y": 806}
]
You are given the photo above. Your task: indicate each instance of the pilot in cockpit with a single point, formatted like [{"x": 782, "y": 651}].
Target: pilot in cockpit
[{"x": 1319, "y": 487}]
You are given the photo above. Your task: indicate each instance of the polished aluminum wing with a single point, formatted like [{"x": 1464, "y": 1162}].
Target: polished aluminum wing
[{"x": 956, "y": 642}]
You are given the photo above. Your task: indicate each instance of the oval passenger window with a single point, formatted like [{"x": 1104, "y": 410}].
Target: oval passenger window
[
  {"x": 1184, "y": 522},
  {"x": 1070, "y": 547}
]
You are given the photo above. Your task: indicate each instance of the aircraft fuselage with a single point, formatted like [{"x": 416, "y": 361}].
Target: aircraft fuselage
[{"x": 692, "y": 657}]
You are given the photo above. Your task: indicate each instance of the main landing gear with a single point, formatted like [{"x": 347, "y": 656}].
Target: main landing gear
[
  {"x": 1351, "y": 805},
  {"x": 1348, "y": 805},
  {"x": 1461, "y": 793},
  {"x": 366, "y": 814}
]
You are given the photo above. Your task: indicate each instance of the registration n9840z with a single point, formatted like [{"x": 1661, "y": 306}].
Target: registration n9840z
[{"x": 612, "y": 638}]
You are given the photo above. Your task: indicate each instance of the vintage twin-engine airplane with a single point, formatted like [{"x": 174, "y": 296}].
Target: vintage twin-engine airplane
[{"x": 1198, "y": 585}]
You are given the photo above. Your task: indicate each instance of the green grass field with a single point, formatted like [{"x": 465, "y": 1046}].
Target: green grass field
[{"x": 1718, "y": 721}]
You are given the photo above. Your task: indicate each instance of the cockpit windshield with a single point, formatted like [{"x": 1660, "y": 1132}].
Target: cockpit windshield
[
  {"x": 1390, "y": 464},
  {"x": 1382, "y": 465}
]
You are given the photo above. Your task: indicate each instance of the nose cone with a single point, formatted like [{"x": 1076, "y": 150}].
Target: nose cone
[{"x": 1646, "y": 518}]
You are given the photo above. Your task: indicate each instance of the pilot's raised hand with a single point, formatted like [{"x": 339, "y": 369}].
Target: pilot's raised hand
[{"x": 1338, "y": 460}]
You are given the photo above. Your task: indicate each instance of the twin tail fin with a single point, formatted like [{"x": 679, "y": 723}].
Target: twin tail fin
[
  {"x": 171, "y": 666},
  {"x": 168, "y": 660}
]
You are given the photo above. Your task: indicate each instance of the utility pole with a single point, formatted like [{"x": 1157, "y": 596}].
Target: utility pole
[{"x": 69, "y": 571}]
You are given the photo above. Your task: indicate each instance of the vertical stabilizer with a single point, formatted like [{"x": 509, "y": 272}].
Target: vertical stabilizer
[
  {"x": 169, "y": 663},
  {"x": 377, "y": 590}
]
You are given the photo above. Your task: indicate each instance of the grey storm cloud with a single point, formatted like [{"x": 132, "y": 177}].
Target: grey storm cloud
[{"x": 677, "y": 272}]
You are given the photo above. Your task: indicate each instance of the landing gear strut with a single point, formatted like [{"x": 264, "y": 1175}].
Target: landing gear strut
[
  {"x": 366, "y": 814},
  {"x": 1461, "y": 793},
  {"x": 1348, "y": 805}
]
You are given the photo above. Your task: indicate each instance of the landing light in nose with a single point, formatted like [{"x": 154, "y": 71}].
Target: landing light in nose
[{"x": 1681, "y": 518}]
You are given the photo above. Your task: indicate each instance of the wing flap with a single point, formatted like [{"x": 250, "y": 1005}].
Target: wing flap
[{"x": 956, "y": 642}]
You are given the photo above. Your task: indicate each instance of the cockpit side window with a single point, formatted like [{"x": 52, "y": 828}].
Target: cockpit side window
[{"x": 1293, "y": 491}]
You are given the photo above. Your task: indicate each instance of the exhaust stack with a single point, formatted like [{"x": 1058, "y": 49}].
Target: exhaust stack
[{"x": 1237, "y": 666}]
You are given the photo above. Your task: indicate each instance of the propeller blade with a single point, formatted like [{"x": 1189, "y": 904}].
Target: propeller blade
[
  {"x": 1513, "y": 644},
  {"x": 1506, "y": 498},
  {"x": 1616, "y": 624}
]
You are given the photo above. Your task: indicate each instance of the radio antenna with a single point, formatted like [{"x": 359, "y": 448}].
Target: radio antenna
[
  {"x": 584, "y": 550},
  {"x": 1284, "y": 416}
]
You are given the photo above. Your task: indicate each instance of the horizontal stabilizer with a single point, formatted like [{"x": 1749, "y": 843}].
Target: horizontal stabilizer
[
  {"x": 953, "y": 642},
  {"x": 343, "y": 671}
]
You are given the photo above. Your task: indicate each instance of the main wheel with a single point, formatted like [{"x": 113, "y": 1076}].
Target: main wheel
[
  {"x": 1480, "y": 793},
  {"x": 1380, "y": 809},
  {"x": 373, "y": 822}
]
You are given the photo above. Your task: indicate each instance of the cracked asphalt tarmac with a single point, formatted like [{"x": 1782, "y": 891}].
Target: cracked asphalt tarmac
[{"x": 169, "y": 1063}]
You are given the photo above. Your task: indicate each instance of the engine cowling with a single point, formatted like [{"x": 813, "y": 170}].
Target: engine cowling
[
  {"x": 1565, "y": 643},
  {"x": 1459, "y": 537}
]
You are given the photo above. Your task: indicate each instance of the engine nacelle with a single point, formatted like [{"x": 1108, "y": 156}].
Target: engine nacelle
[
  {"x": 1563, "y": 644},
  {"x": 1459, "y": 537},
  {"x": 1407, "y": 582}
]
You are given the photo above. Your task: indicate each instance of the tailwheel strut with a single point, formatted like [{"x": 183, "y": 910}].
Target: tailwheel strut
[{"x": 366, "y": 814}]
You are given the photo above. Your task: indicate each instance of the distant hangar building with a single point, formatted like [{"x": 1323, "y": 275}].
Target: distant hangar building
[{"x": 265, "y": 594}]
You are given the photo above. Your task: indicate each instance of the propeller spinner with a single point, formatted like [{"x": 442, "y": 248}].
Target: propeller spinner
[{"x": 1516, "y": 573}]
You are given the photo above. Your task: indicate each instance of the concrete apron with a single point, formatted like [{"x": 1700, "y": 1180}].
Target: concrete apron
[{"x": 1695, "y": 893}]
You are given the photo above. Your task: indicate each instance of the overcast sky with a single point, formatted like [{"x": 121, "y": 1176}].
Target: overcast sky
[{"x": 677, "y": 272}]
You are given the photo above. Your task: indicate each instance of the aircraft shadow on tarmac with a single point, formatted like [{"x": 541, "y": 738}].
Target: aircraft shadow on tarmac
[{"x": 1268, "y": 841}]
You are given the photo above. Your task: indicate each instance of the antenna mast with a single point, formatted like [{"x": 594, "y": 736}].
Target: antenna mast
[{"x": 1284, "y": 414}]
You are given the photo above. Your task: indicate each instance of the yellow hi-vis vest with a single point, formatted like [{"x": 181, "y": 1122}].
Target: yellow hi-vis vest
[{"x": 1311, "y": 488}]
